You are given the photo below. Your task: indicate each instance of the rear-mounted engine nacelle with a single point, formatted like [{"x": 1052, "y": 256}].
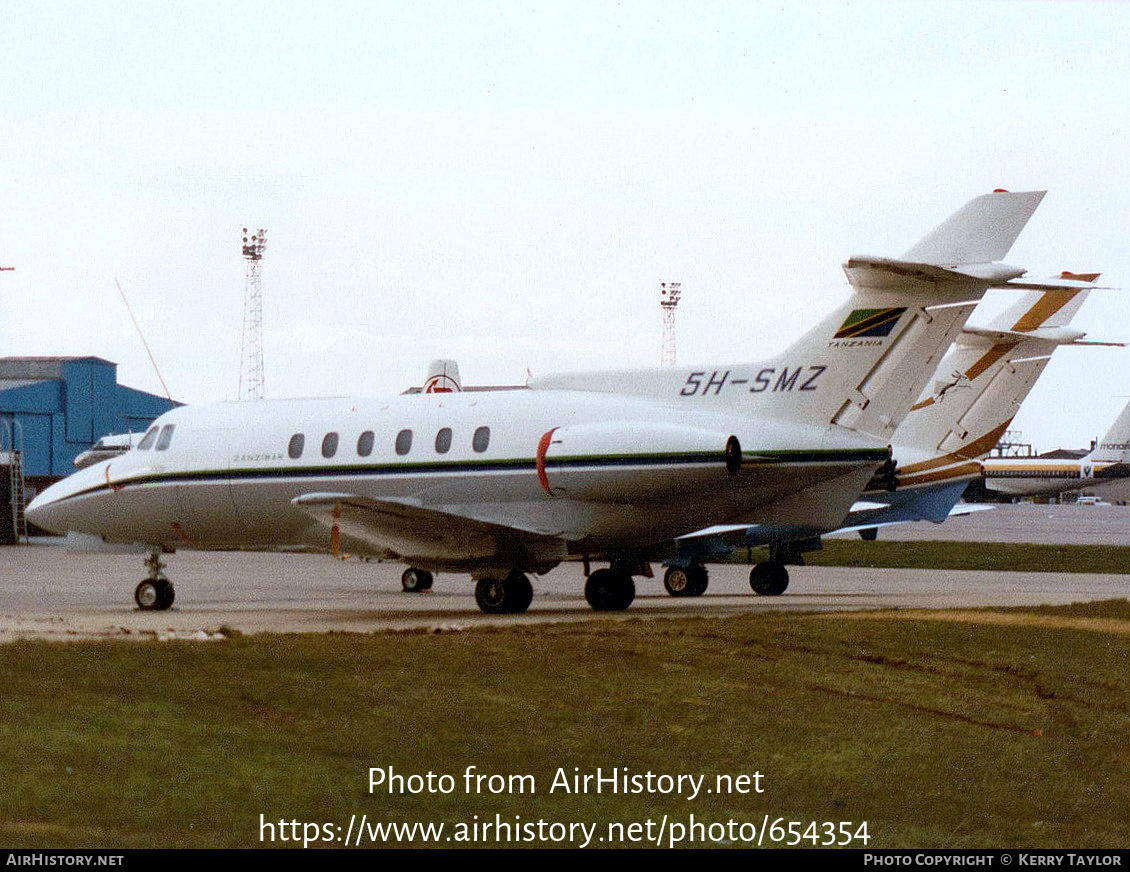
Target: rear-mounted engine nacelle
[{"x": 633, "y": 460}]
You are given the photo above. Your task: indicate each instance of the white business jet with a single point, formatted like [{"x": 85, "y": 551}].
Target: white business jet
[{"x": 612, "y": 465}]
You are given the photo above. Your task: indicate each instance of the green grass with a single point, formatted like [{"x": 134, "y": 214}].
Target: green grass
[
  {"x": 964, "y": 555},
  {"x": 936, "y": 734}
]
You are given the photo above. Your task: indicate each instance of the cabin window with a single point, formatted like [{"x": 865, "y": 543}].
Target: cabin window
[
  {"x": 166, "y": 436},
  {"x": 443, "y": 441},
  {"x": 403, "y": 442},
  {"x": 481, "y": 439},
  {"x": 329, "y": 445},
  {"x": 297, "y": 443},
  {"x": 365, "y": 444},
  {"x": 147, "y": 442}
]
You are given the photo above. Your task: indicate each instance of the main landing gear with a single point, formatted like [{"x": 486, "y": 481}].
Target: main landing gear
[
  {"x": 155, "y": 593},
  {"x": 511, "y": 595},
  {"x": 610, "y": 590},
  {"x": 769, "y": 578},
  {"x": 414, "y": 580},
  {"x": 690, "y": 580}
]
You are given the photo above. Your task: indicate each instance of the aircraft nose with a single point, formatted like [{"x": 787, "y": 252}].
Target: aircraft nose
[
  {"x": 61, "y": 508},
  {"x": 43, "y": 512}
]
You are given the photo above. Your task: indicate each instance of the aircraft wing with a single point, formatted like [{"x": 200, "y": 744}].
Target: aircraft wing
[
  {"x": 936, "y": 506},
  {"x": 414, "y": 533},
  {"x": 958, "y": 511}
]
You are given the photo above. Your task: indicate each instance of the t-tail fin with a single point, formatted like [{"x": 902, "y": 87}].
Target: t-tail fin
[
  {"x": 981, "y": 383},
  {"x": 862, "y": 366},
  {"x": 1114, "y": 447},
  {"x": 443, "y": 378},
  {"x": 981, "y": 231}
]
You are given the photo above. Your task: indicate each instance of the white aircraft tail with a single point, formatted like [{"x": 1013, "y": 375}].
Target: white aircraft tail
[
  {"x": 981, "y": 231},
  {"x": 981, "y": 383},
  {"x": 864, "y": 365},
  {"x": 1114, "y": 447},
  {"x": 443, "y": 378}
]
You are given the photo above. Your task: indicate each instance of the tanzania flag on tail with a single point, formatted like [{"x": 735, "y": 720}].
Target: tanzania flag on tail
[{"x": 869, "y": 322}]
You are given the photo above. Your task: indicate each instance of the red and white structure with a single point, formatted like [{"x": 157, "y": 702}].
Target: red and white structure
[
  {"x": 251, "y": 381},
  {"x": 668, "y": 301}
]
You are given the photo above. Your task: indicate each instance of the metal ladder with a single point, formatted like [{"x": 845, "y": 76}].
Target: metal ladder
[{"x": 17, "y": 489}]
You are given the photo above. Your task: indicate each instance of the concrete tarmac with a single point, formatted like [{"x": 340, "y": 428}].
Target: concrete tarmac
[{"x": 47, "y": 591}]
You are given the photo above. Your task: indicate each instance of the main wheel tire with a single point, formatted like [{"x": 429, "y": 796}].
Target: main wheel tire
[
  {"x": 760, "y": 578},
  {"x": 490, "y": 594},
  {"x": 609, "y": 591},
  {"x": 414, "y": 580},
  {"x": 521, "y": 592},
  {"x": 677, "y": 581},
  {"x": 769, "y": 578},
  {"x": 166, "y": 595},
  {"x": 504, "y": 596},
  {"x": 700, "y": 579},
  {"x": 146, "y": 595},
  {"x": 780, "y": 580}
]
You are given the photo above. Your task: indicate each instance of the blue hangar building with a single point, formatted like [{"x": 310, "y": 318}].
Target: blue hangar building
[{"x": 58, "y": 407}]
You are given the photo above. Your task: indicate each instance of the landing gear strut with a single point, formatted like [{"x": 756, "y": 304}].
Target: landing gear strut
[
  {"x": 691, "y": 580},
  {"x": 154, "y": 593},
  {"x": 511, "y": 595},
  {"x": 414, "y": 580}
]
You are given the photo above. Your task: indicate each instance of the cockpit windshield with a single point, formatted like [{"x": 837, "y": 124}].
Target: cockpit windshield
[{"x": 149, "y": 439}]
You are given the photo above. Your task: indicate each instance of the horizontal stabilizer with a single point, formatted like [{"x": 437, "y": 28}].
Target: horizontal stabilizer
[
  {"x": 1056, "y": 335},
  {"x": 884, "y": 272},
  {"x": 1021, "y": 284}
]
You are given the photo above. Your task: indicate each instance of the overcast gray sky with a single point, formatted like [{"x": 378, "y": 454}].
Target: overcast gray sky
[{"x": 507, "y": 183}]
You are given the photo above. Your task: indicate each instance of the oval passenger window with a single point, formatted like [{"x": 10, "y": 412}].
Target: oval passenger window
[
  {"x": 297, "y": 443},
  {"x": 443, "y": 441},
  {"x": 481, "y": 439}
]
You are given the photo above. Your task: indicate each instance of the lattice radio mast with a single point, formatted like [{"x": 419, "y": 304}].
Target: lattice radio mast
[
  {"x": 669, "y": 301},
  {"x": 251, "y": 385}
]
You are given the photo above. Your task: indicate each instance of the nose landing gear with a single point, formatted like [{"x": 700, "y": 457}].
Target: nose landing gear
[{"x": 154, "y": 593}]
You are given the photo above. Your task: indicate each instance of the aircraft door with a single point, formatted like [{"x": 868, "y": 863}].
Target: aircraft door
[{"x": 207, "y": 512}]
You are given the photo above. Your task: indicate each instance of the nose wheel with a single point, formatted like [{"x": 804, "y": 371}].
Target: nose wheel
[{"x": 155, "y": 593}]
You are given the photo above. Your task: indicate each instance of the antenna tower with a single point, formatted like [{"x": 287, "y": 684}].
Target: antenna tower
[
  {"x": 251, "y": 362},
  {"x": 668, "y": 302}
]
